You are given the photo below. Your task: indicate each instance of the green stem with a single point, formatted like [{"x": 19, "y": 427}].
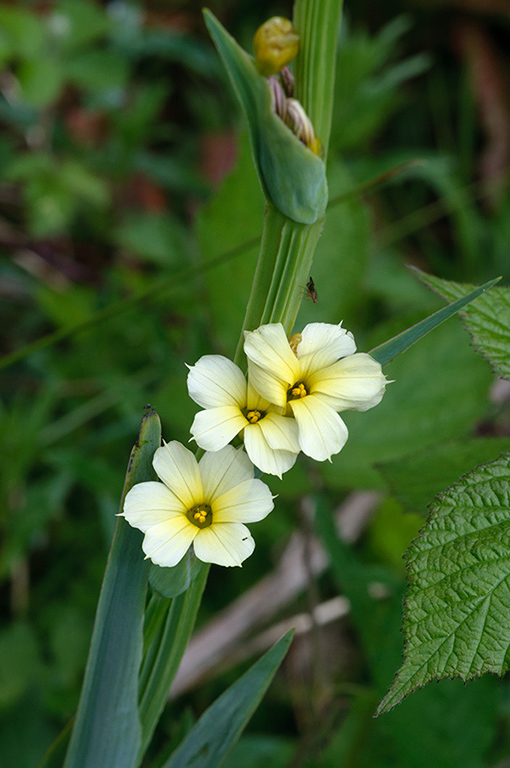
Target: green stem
[
  {"x": 170, "y": 623},
  {"x": 317, "y": 23},
  {"x": 282, "y": 272}
]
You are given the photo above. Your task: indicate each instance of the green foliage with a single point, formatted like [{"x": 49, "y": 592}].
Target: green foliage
[
  {"x": 488, "y": 320},
  {"x": 212, "y": 738},
  {"x": 416, "y": 479},
  {"x": 111, "y": 240},
  {"x": 412, "y": 414},
  {"x": 107, "y": 729},
  {"x": 455, "y": 616}
]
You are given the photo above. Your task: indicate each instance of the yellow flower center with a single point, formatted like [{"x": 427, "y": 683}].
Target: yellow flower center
[
  {"x": 254, "y": 415},
  {"x": 201, "y": 515},
  {"x": 297, "y": 391}
]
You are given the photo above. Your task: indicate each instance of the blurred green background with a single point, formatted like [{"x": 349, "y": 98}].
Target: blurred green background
[{"x": 124, "y": 170}]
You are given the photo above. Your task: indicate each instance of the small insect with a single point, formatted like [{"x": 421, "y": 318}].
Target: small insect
[{"x": 311, "y": 292}]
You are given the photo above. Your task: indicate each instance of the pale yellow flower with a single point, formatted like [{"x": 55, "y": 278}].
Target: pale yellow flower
[
  {"x": 233, "y": 407},
  {"x": 313, "y": 376},
  {"x": 204, "y": 504}
]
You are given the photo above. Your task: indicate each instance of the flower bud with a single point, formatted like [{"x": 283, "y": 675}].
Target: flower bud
[
  {"x": 287, "y": 79},
  {"x": 278, "y": 100},
  {"x": 299, "y": 122},
  {"x": 276, "y": 43}
]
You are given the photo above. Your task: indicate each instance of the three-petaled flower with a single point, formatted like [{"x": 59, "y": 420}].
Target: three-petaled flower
[
  {"x": 233, "y": 407},
  {"x": 313, "y": 376},
  {"x": 202, "y": 503}
]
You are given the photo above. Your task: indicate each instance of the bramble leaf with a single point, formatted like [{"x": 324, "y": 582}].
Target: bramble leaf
[
  {"x": 458, "y": 605},
  {"x": 487, "y": 319}
]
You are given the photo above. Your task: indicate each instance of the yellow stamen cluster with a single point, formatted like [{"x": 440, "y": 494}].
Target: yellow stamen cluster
[
  {"x": 254, "y": 416},
  {"x": 201, "y": 516},
  {"x": 297, "y": 391}
]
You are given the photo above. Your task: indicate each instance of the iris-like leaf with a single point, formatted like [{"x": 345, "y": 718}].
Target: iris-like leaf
[
  {"x": 458, "y": 606},
  {"x": 214, "y": 735},
  {"x": 385, "y": 353},
  {"x": 292, "y": 176},
  {"x": 107, "y": 731}
]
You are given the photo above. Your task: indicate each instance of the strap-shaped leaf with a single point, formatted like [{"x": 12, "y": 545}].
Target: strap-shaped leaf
[
  {"x": 385, "y": 353},
  {"x": 487, "y": 320},
  {"x": 214, "y": 735},
  {"x": 292, "y": 176},
  {"x": 107, "y": 731},
  {"x": 457, "y": 614}
]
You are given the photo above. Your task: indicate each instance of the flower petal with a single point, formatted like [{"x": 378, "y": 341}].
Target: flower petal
[
  {"x": 269, "y": 386},
  {"x": 214, "y": 428},
  {"x": 150, "y": 503},
  {"x": 167, "y": 543},
  {"x": 322, "y": 344},
  {"x": 280, "y": 432},
  {"x": 248, "y": 502},
  {"x": 215, "y": 381},
  {"x": 272, "y": 462},
  {"x": 322, "y": 432},
  {"x": 225, "y": 544},
  {"x": 356, "y": 382},
  {"x": 178, "y": 469},
  {"x": 269, "y": 348},
  {"x": 223, "y": 470},
  {"x": 254, "y": 401}
]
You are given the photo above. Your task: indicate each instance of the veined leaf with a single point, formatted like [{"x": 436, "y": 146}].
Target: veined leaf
[
  {"x": 458, "y": 606},
  {"x": 487, "y": 320},
  {"x": 384, "y": 353},
  {"x": 214, "y": 735},
  {"x": 107, "y": 729}
]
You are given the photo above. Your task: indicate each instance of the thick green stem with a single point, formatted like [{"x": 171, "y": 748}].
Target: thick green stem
[
  {"x": 317, "y": 23},
  {"x": 169, "y": 624}
]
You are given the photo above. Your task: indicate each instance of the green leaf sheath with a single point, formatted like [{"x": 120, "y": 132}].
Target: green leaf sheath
[
  {"x": 292, "y": 176},
  {"x": 282, "y": 272},
  {"x": 384, "y": 353},
  {"x": 214, "y": 735},
  {"x": 457, "y": 613},
  {"x": 487, "y": 320},
  {"x": 107, "y": 731},
  {"x": 317, "y": 24}
]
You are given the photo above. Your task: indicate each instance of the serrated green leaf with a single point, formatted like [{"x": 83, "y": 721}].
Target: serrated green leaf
[
  {"x": 456, "y": 618},
  {"x": 214, "y": 735},
  {"x": 107, "y": 729},
  {"x": 487, "y": 320},
  {"x": 292, "y": 176},
  {"x": 384, "y": 353}
]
